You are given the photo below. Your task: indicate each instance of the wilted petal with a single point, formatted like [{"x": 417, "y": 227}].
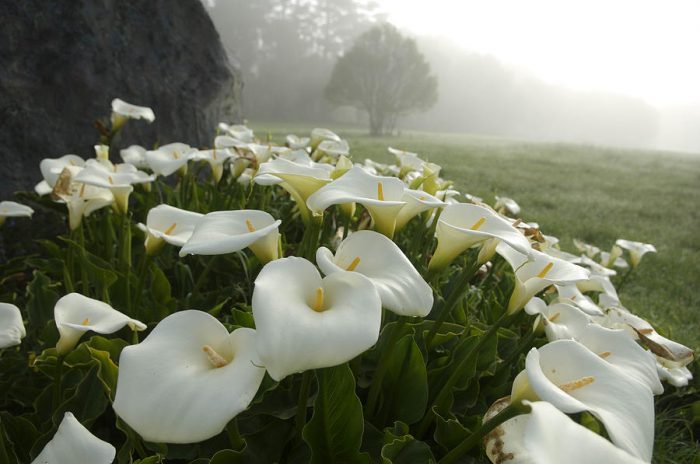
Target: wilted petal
[
  {"x": 11, "y": 326},
  {"x": 187, "y": 379},
  {"x": 574, "y": 379},
  {"x": 51, "y": 168},
  {"x": 76, "y": 314},
  {"x": 305, "y": 322},
  {"x": 73, "y": 443},
  {"x": 224, "y": 232},
  {"x": 401, "y": 288}
]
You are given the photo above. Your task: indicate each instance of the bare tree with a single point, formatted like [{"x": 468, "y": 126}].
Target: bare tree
[{"x": 385, "y": 75}]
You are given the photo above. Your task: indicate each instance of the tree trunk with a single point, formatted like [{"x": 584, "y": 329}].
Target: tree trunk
[{"x": 376, "y": 123}]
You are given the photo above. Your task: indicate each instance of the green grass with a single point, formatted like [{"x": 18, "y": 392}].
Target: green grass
[{"x": 597, "y": 194}]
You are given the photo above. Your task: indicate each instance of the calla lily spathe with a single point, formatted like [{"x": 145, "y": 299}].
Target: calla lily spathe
[
  {"x": 295, "y": 142},
  {"x": 135, "y": 155},
  {"x": 613, "y": 258},
  {"x": 238, "y": 131},
  {"x": 169, "y": 158},
  {"x": 574, "y": 379},
  {"x": 80, "y": 199},
  {"x": 123, "y": 110},
  {"x": 76, "y": 314},
  {"x": 548, "y": 436},
  {"x": 636, "y": 250},
  {"x": 464, "y": 225},
  {"x": 11, "y": 326},
  {"x": 320, "y": 134},
  {"x": 51, "y": 169},
  {"x": 73, "y": 443},
  {"x": 166, "y": 223},
  {"x": 590, "y": 250},
  {"x": 119, "y": 180},
  {"x": 187, "y": 379},
  {"x": 14, "y": 209},
  {"x": 224, "y": 232},
  {"x": 306, "y": 322},
  {"x": 385, "y": 198},
  {"x": 300, "y": 179},
  {"x": 560, "y": 320},
  {"x": 400, "y": 286},
  {"x": 216, "y": 159},
  {"x": 536, "y": 273}
]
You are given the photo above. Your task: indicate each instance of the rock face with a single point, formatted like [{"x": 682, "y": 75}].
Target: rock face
[{"x": 63, "y": 61}]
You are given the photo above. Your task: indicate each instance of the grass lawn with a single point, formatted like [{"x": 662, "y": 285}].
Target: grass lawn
[{"x": 596, "y": 194}]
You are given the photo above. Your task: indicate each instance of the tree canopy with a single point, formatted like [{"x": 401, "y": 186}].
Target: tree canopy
[{"x": 385, "y": 75}]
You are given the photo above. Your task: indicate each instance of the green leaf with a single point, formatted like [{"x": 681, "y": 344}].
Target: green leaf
[
  {"x": 40, "y": 301},
  {"x": 334, "y": 432},
  {"x": 405, "y": 384},
  {"x": 402, "y": 448}
]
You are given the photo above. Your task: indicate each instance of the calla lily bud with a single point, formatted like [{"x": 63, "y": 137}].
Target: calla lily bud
[
  {"x": 306, "y": 322},
  {"x": 73, "y": 443}
]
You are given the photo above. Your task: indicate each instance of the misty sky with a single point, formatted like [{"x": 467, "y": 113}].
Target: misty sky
[{"x": 641, "y": 48}]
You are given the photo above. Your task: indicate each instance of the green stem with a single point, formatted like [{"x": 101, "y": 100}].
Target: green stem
[
  {"x": 461, "y": 284},
  {"x": 125, "y": 258},
  {"x": 57, "y": 383},
  {"x": 203, "y": 276},
  {"x": 83, "y": 270},
  {"x": 143, "y": 264},
  {"x": 234, "y": 435},
  {"x": 382, "y": 368},
  {"x": 457, "y": 372},
  {"x": 623, "y": 281},
  {"x": 303, "y": 398},
  {"x": 481, "y": 431}
]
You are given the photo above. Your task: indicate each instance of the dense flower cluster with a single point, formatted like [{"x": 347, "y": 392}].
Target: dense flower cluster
[{"x": 388, "y": 249}]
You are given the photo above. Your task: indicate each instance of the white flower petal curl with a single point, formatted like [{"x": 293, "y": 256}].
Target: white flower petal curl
[
  {"x": 12, "y": 329},
  {"x": 73, "y": 443},
  {"x": 187, "y": 379},
  {"x": 294, "y": 334},
  {"x": 401, "y": 288}
]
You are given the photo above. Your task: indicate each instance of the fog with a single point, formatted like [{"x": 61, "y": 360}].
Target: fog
[{"x": 286, "y": 51}]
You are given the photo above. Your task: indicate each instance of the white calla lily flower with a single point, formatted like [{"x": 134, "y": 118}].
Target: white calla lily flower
[
  {"x": 12, "y": 329},
  {"x": 238, "y": 131},
  {"x": 613, "y": 258},
  {"x": 636, "y": 249},
  {"x": 571, "y": 294},
  {"x": 673, "y": 353},
  {"x": 506, "y": 206},
  {"x": 135, "y": 155},
  {"x": 224, "y": 232},
  {"x": 73, "y": 443},
  {"x": 295, "y": 142},
  {"x": 332, "y": 148},
  {"x": 51, "y": 168},
  {"x": 306, "y": 322},
  {"x": 590, "y": 250},
  {"x": 407, "y": 161},
  {"x": 13, "y": 209},
  {"x": 464, "y": 225},
  {"x": 80, "y": 199},
  {"x": 320, "y": 134},
  {"x": 596, "y": 268},
  {"x": 575, "y": 379},
  {"x": 536, "y": 273},
  {"x": 76, "y": 314},
  {"x": 676, "y": 376},
  {"x": 216, "y": 159},
  {"x": 383, "y": 197},
  {"x": 301, "y": 180},
  {"x": 187, "y": 379},
  {"x": 121, "y": 111},
  {"x": 166, "y": 223},
  {"x": 400, "y": 286},
  {"x": 119, "y": 181},
  {"x": 560, "y": 320},
  {"x": 548, "y": 436},
  {"x": 169, "y": 158}
]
